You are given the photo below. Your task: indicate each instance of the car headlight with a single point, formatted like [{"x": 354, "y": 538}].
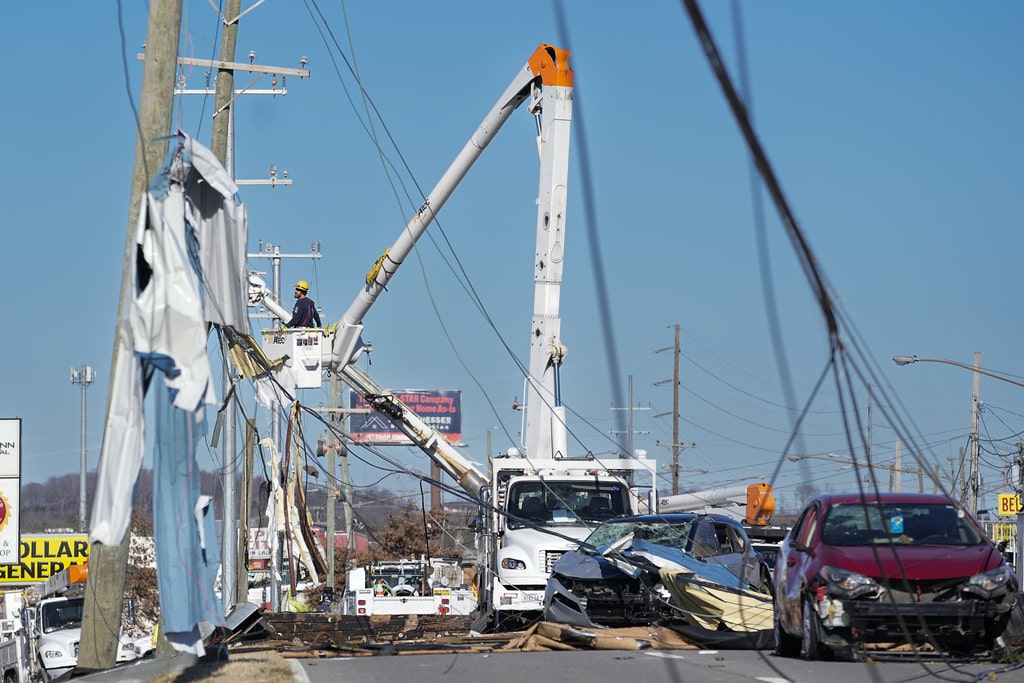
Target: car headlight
[
  {"x": 512, "y": 563},
  {"x": 990, "y": 584},
  {"x": 843, "y": 583}
]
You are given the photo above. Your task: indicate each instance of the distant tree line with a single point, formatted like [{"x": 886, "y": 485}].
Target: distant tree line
[{"x": 53, "y": 504}]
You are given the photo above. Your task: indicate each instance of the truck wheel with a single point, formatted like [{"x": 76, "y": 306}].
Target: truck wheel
[{"x": 485, "y": 620}]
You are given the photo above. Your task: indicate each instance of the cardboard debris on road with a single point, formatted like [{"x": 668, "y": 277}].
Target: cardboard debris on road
[
  {"x": 320, "y": 635},
  {"x": 546, "y": 636}
]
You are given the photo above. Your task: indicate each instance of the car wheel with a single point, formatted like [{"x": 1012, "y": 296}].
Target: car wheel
[
  {"x": 811, "y": 647},
  {"x": 785, "y": 644}
]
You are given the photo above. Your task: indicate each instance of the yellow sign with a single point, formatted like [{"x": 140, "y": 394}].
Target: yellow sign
[
  {"x": 43, "y": 555},
  {"x": 1007, "y": 504},
  {"x": 1004, "y": 532}
]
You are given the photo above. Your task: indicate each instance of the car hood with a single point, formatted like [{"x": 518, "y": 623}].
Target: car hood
[{"x": 919, "y": 563}]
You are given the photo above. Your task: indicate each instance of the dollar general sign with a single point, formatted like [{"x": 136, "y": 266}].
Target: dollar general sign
[{"x": 43, "y": 556}]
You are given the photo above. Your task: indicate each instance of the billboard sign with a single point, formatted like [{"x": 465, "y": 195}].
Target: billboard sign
[
  {"x": 442, "y": 410},
  {"x": 10, "y": 490}
]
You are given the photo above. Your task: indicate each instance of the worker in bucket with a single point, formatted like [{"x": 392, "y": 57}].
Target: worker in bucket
[{"x": 304, "y": 314}]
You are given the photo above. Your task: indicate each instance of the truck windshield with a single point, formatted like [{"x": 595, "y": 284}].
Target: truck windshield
[
  {"x": 62, "y": 614},
  {"x": 550, "y": 503}
]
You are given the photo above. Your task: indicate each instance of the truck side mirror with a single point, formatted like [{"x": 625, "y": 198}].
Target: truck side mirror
[{"x": 131, "y": 611}]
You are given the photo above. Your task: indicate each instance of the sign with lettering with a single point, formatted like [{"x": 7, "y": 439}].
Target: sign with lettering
[
  {"x": 10, "y": 489},
  {"x": 1007, "y": 504},
  {"x": 40, "y": 556},
  {"x": 259, "y": 543},
  {"x": 442, "y": 410}
]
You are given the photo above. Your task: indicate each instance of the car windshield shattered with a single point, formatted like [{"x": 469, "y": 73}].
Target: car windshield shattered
[
  {"x": 904, "y": 524},
  {"x": 615, "y": 535}
]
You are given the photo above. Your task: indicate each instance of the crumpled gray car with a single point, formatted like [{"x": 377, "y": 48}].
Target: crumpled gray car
[{"x": 612, "y": 579}]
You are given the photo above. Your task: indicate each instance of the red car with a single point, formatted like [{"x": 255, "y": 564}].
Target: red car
[{"x": 890, "y": 573}]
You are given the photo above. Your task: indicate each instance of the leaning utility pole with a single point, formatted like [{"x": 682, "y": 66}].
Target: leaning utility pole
[{"x": 104, "y": 591}]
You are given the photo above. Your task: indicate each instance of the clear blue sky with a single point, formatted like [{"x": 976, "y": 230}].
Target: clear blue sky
[{"x": 895, "y": 129}]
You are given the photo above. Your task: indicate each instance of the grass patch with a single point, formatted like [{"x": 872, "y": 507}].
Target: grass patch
[{"x": 243, "y": 665}]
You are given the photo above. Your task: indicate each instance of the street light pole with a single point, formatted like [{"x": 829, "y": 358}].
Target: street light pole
[
  {"x": 974, "y": 478},
  {"x": 907, "y": 360},
  {"x": 973, "y": 475},
  {"x": 891, "y": 468},
  {"x": 83, "y": 377}
]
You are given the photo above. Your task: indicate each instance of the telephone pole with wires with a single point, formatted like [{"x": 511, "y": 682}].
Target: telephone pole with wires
[
  {"x": 629, "y": 429},
  {"x": 676, "y": 446},
  {"x": 222, "y": 144},
  {"x": 104, "y": 591}
]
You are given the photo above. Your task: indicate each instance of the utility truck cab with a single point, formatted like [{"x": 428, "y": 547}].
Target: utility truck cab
[
  {"x": 546, "y": 507},
  {"x": 60, "y": 625}
]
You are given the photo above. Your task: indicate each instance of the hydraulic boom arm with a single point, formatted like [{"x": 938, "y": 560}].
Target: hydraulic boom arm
[
  {"x": 548, "y": 66},
  {"x": 546, "y": 80}
]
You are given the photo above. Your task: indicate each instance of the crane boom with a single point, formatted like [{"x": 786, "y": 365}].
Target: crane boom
[
  {"x": 423, "y": 436},
  {"x": 546, "y": 80},
  {"x": 547, "y": 65}
]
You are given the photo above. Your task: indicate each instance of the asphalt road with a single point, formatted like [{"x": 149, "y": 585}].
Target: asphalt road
[{"x": 649, "y": 666}]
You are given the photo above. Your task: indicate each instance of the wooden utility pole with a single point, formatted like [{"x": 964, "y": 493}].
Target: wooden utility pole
[
  {"x": 675, "y": 416},
  {"x": 242, "y": 553},
  {"x": 337, "y": 422},
  {"x": 219, "y": 145},
  {"x": 676, "y": 446},
  {"x": 974, "y": 475},
  {"x": 108, "y": 565},
  {"x": 225, "y": 84}
]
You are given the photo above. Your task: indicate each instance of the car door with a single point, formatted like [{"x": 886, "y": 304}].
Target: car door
[
  {"x": 714, "y": 541},
  {"x": 792, "y": 564}
]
